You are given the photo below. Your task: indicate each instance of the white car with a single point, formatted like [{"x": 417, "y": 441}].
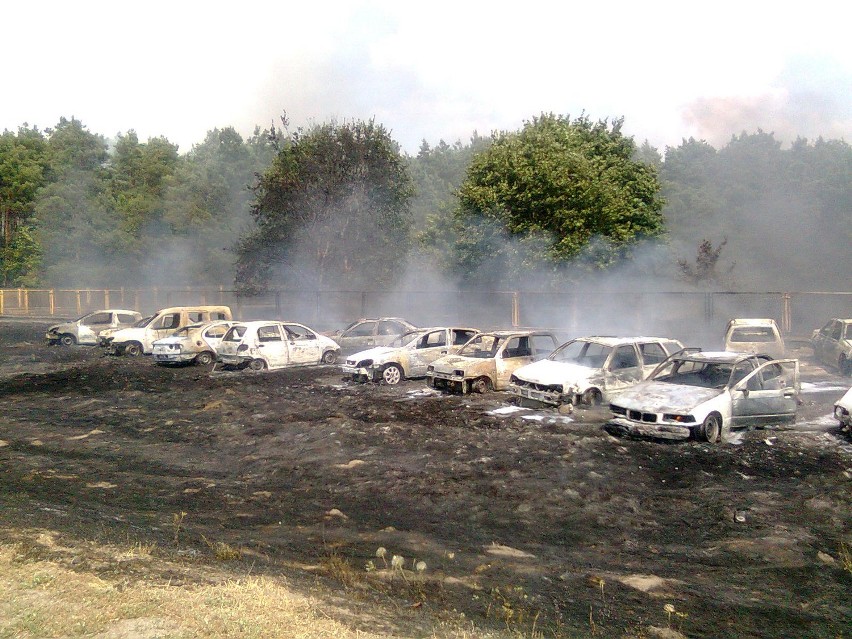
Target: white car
[
  {"x": 368, "y": 332},
  {"x": 408, "y": 356},
  {"x": 86, "y": 329},
  {"x": 705, "y": 394},
  {"x": 750, "y": 335},
  {"x": 590, "y": 370},
  {"x": 843, "y": 411},
  {"x": 196, "y": 343},
  {"x": 260, "y": 345},
  {"x": 832, "y": 344}
]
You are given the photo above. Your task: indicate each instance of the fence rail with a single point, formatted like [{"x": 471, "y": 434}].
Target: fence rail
[{"x": 580, "y": 312}]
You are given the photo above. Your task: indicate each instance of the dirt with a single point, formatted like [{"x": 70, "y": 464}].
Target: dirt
[{"x": 525, "y": 519}]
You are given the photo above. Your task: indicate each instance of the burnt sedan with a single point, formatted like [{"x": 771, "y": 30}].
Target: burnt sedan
[{"x": 703, "y": 395}]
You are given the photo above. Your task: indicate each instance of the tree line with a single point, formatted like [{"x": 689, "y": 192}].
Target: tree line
[{"x": 338, "y": 205}]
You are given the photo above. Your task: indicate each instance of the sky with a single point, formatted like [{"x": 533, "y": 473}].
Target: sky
[{"x": 430, "y": 71}]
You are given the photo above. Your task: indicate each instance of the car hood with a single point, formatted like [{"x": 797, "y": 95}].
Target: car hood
[
  {"x": 453, "y": 362},
  {"x": 375, "y": 354},
  {"x": 68, "y": 326},
  {"x": 126, "y": 333},
  {"x": 660, "y": 397},
  {"x": 549, "y": 372}
]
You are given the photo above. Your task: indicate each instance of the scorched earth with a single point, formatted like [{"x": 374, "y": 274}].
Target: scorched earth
[{"x": 526, "y": 521}]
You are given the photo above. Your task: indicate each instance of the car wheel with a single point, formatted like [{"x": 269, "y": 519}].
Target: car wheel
[
  {"x": 133, "y": 349},
  {"x": 710, "y": 430},
  {"x": 391, "y": 374},
  {"x": 592, "y": 397},
  {"x": 257, "y": 365},
  {"x": 67, "y": 340},
  {"x": 204, "y": 358},
  {"x": 481, "y": 385},
  {"x": 329, "y": 357}
]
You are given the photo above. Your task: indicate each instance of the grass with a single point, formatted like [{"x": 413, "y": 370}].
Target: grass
[{"x": 55, "y": 587}]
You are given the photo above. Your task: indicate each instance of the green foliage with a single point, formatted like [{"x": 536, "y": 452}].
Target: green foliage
[
  {"x": 333, "y": 209},
  {"x": 20, "y": 258},
  {"x": 556, "y": 186}
]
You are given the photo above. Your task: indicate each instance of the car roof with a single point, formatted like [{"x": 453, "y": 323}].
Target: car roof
[
  {"x": 608, "y": 340},
  {"x": 720, "y": 357},
  {"x": 759, "y": 321},
  {"x": 509, "y": 333}
]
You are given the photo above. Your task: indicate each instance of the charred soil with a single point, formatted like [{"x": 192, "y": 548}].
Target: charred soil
[{"x": 526, "y": 520}]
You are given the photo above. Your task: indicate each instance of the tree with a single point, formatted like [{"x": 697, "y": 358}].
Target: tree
[
  {"x": 555, "y": 192},
  {"x": 333, "y": 208},
  {"x": 24, "y": 165},
  {"x": 704, "y": 270}
]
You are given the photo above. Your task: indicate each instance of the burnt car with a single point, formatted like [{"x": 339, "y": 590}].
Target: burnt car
[
  {"x": 408, "y": 356},
  {"x": 590, "y": 370},
  {"x": 263, "y": 345},
  {"x": 488, "y": 360},
  {"x": 368, "y": 332},
  {"x": 832, "y": 344},
  {"x": 703, "y": 395},
  {"x": 754, "y": 335},
  {"x": 87, "y": 329},
  {"x": 843, "y": 411},
  {"x": 192, "y": 344}
]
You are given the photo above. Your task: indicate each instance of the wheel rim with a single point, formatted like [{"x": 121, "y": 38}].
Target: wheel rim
[
  {"x": 67, "y": 340},
  {"x": 133, "y": 350},
  {"x": 592, "y": 397},
  {"x": 257, "y": 365},
  {"x": 204, "y": 359},
  {"x": 329, "y": 357},
  {"x": 711, "y": 429},
  {"x": 481, "y": 385},
  {"x": 392, "y": 375}
]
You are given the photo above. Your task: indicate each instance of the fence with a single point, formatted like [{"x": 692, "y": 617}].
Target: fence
[{"x": 688, "y": 315}]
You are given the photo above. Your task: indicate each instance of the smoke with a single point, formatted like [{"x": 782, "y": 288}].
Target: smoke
[{"x": 809, "y": 98}]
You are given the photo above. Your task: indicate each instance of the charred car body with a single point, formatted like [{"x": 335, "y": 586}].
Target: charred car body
[
  {"x": 365, "y": 333},
  {"x": 196, "y": 343},
  {"x": 488, "y": 360},
  {"x": 263, "y": 345},
  {"x": 704, "y": 394},
  {"x": 87, "y": 329},
  {"x": 140, "y": 338},
  {"x": 832, "y": 344},
  {"x": 759, "y": 336},
  {"x": 590, "y": 370},
  {"x": 843, "y": 411},
  {"x": 408, "y": 356}
]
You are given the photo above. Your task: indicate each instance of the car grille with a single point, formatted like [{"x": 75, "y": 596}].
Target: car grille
[{"x": 638, "y": 416}]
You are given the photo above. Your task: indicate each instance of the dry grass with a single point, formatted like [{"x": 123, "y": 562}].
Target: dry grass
[{"x": 48, "y": 589}]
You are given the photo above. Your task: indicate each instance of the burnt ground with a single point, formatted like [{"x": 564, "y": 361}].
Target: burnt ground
[{"x": 520, "y": 517}]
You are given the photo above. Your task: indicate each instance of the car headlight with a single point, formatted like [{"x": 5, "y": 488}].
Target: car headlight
[
  {"x": 686, "y": 419},
  {"x": 458, "y": 373},
  {"x": 430, "y": 369}
]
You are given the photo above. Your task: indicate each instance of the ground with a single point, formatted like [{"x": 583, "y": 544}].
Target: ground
[{"x": 528, "y": 522}]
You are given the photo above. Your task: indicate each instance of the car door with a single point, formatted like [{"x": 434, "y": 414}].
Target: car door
[
  {"x": 164, "y": 326},
  {"x": 91, "y": 326},
  {"x": 213, "y": 335},
  {"x": 768, "y": 394},
  {"x": 516, "y": 352},
  {"x": 624, "y": 369},
  {"x": 430, "y": 347},
  {"x": 271, "y": 346},
  {"x": 303, "y": 345},
  {"x": 832, "y": 347}
]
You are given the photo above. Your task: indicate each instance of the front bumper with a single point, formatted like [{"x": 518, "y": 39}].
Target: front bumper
[
  {"x": 843, "y": 416},
  {"x": 552, "y": 398},
  {"x": 447, "y": 381},
  {"x": 662, "y": 431}
]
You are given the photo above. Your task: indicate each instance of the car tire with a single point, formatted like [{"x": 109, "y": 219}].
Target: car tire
[
  {"x": 133, "y": 349},
  {"x": 711, "y": 430},
  {"x": 481, "y": 385},
  {"x": 67, "y": 340},
  {"x": 392, "y": 374},
  {"x": 205, "y": 358},
  {"x": 329, "y": 357},
  {"x": 257, "y": 365},
  {"x": 592, "y": 397}
]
